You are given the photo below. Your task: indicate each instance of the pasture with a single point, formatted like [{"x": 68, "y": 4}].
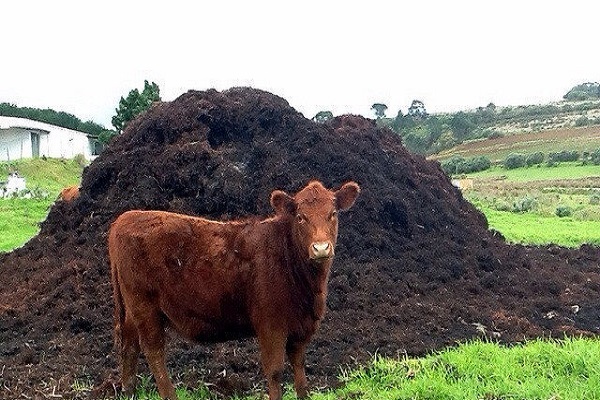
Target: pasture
[
  {"x": 20, "y": 218},
  {"x": 523, "y": 203},
  {"x": 581, "y": 139}
]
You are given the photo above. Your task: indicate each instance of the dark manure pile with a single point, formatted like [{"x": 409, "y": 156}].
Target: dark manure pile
[{"x": 416, "y": 268}]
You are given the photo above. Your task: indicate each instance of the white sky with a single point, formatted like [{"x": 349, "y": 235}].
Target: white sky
[{"x": 343, "y": 56}]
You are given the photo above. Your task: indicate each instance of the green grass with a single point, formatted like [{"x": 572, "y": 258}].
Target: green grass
[
  {"x": 532, "y": 228},
  {"x": 572, "y": 170},
  {"x": 19, "y": 218},
  {"x": 537, "y": 370},
  {"x": 51, "y": 174},
  {"x": 497, "y": 190}
]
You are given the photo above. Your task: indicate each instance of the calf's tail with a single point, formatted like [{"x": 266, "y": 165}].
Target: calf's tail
[{"x": 119, "y": 316}]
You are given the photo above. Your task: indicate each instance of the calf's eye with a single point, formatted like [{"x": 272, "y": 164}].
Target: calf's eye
[{"x": 300, "y": 218}]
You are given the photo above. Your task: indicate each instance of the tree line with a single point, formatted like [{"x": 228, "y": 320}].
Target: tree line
[{"x": 49, "y": 116}]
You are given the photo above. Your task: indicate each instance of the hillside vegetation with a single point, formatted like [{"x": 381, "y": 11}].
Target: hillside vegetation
[
  {"x": 430, "y": 134},
  {"x": 581, "y": 139}
]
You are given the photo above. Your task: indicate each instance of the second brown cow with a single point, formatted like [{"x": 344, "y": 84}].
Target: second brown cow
[
  {"x": 69, "y": 194},
  {"x": 214, "y": 281}
]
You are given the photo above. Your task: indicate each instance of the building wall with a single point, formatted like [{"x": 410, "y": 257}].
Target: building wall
[
  {"x": 65, "y": 144},
  {"x": 14, "y": 144},
  {"x": 55, "y": 141}
]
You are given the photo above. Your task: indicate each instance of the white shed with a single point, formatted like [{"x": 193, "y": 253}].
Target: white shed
[{"x": 26, "y": 138}]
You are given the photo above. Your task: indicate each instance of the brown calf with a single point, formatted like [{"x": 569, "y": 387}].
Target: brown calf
[
  {"x": 214, "y": 281},
  {"x": 69, "y": 193}
]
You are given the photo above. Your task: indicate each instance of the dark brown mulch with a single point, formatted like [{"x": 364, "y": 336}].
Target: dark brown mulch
[{"x": 416, "y": 270}]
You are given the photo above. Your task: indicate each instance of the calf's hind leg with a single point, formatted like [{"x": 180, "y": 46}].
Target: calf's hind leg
[
  {"x": 130, "y": 352},
  {"x": 152, "y": 340}
]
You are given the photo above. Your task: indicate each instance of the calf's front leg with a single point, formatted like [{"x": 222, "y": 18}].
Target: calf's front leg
[
  {"x": 296, "y": 354},
  {"x": 272, "y": 355}
]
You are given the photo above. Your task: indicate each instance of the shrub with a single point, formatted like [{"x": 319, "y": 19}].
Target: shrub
[
  {"x": 502, "y": 205},
  {"x": 80, "y": 160},
  {"x": 534, "y": 158},
  {"x": 480, "y": 163},
  {"x": 460, "y": 165},
  {"x": 582, "y": 121},
  {"x": 524, "y": 204},
  {"x": 514, "y": 160},
  {"x": 449, "y": 166},
  {"x": 562, "y": 156},
  {"x": 595, "y": 199},
  {"x": 595, "y": 157},
  {"x": 563, "y": 211}
]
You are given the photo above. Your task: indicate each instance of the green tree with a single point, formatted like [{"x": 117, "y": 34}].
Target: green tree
[
  {"x": 584, "y": 91},
  {"x": 461, "y": 126},
  {"x": 105, "y": 136},
  {"x": 379, "y": 109},
  {"x": 52, "y": 117},
  {"x": 403, "y": 123},
  {"x": 323, "y": 116},
  {"x": 417, "y": 109},
  {"x": 435, "y": 129},
  {"x": 134, "y": 104}
]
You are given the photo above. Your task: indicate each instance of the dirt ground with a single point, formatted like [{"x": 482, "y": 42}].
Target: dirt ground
[{"x": 416, "y": 267}]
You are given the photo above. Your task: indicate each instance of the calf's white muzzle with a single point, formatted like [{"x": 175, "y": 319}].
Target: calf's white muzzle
[{"x": 321, "y": 250}]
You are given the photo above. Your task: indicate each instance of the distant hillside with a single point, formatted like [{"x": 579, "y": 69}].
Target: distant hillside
[
  {"x": 534, "y": 118},
  {"x": 581, "y": 139},
  {"x": 432, "y": 134}
]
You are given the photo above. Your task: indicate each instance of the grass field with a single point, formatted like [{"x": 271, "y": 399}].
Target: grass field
[
  {"x": 502, "y": 195},
  {"x": 571, "y": 170},
  {"x": 19, "y": 218},
  {"x": 537, "y": 370},
  {"x": 50, "y": 174},
  {"x": 532, "y": 228}
]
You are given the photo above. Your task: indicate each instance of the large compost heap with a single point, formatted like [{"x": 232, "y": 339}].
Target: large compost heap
[{"x": 416, "y": 270}]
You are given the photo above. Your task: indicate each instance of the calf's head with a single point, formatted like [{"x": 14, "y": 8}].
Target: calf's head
[{"x": 313, "y": 216}]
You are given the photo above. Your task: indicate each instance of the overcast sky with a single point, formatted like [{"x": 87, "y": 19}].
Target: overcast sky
[{"x": 343, "y": 56}]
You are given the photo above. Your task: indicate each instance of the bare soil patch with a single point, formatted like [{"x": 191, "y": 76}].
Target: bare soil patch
[{"x": 416, "y": 268}]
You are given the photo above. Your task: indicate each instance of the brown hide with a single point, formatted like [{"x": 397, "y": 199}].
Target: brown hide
[
  {"x": 69, "y": 193},
  {"x": 214, "y": 281}
]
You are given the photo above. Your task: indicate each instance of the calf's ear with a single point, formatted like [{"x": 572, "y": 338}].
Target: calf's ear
[
  {"x": 282, "y": 202},
  {"x": 346, "y": 195}
]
